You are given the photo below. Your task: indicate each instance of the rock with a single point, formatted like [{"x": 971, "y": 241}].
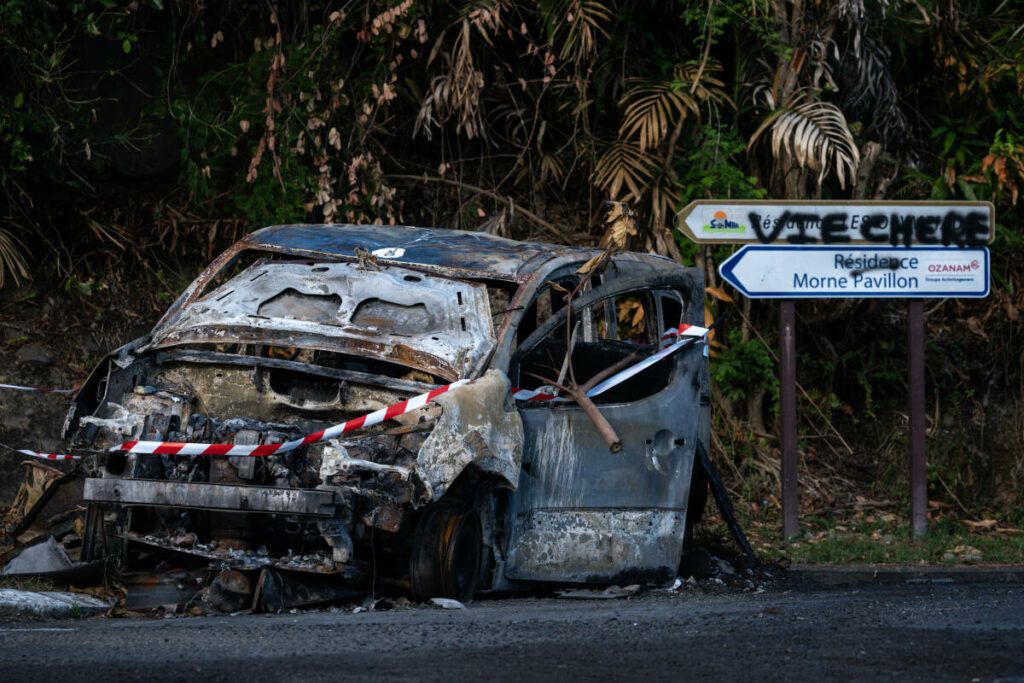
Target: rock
[
  {"x": 34, "y": 353},
  {"x": 39, "y": 559},
  {"x": 447, "y": 603},
  {"x": 698, "y": 563}
]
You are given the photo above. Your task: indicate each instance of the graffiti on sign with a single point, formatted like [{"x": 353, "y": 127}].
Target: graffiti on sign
[{"x": 946, "y": 224}]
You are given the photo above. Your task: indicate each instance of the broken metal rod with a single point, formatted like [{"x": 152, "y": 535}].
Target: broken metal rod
[{"x": 579, "y": 395}]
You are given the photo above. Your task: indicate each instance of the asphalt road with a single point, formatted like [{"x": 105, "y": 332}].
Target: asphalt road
[{"x": 909, "y": 632}]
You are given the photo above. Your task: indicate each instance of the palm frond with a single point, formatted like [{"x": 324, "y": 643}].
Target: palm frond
[
  {"x": 815, "y": 136},
  {"x": 654, "y": 108},
  {"x": 624, "y": 165},
  {"x": 551, "y": 169},
  {"x": 586, "y": 20},
  {"x": 455, "y": 94},
  {"x": 12, "y": 258}
]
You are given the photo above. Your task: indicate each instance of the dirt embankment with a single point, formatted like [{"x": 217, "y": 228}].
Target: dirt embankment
[{"x": 52, "y": 341}]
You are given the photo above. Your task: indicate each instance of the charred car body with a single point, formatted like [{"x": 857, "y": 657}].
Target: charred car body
[{"x": 300, "y": 327}]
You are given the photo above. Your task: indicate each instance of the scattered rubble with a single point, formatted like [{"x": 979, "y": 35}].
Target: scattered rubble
[{"x": 962, "y": 553}]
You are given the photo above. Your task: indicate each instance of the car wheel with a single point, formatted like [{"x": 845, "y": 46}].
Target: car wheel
[{"x": 445, "y": 559}]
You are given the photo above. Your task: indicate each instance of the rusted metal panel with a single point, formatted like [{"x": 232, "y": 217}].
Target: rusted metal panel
[
  {"x": 570, "y": 477},
  {"x": 211, "y": 496},
  {"x": 598, "y": 546}
]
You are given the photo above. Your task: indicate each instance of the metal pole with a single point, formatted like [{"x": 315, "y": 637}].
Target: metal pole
[
  {"x": 787, "y": 414},
  {"x": 918, "y": 472}
]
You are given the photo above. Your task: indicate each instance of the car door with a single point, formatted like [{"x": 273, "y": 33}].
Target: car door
[{"x": 583, "y": 513}]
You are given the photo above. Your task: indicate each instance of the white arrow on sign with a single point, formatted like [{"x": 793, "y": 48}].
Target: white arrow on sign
[{"x": 768, "y": 272}]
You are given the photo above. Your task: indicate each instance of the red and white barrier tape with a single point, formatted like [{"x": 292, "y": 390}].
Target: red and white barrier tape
[
  {"x": 376, "y": 417},
  {"x": 46, "y": 391},
  {"x": 45, "y": 456},
  {"x": 684, "y": 330},
  {"x": 37, "y": 454},
  {"x": 688, "y": 331},
  {"x": 692, "y": 332}
]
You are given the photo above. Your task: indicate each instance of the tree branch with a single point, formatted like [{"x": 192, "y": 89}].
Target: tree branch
[{"x": 532, "y": 217}]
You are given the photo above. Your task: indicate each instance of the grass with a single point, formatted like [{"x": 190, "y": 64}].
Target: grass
[
  {"x": 940, "y": 546},
  {"x": 27, "y": 583},
  {"x": 873, "y": 537}
]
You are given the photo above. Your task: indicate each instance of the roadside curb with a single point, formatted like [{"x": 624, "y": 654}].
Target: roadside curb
[
  {"x": 49, "y": 604},
  {"x": 852, "y": 575}
]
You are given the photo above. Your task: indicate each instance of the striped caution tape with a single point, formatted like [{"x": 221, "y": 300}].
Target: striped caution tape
[
  {"x": 693, "y": 334},
  {"x": 691, "y": 338},
  {"x": 529, "y": 395},
  {"x": 45, "y": 456},
  {"x": 37, "y": 454},
  {"x": 684, "y": 330},
  {"x": 376, "y": 417},
  {"x": 45, "y": 391}
]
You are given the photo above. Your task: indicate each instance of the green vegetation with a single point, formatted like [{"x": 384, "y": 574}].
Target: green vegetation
[
  {"x": 874, "y": 536},
  {"x": 28, "y": 583},
  {"x": 888, "y": 541}
]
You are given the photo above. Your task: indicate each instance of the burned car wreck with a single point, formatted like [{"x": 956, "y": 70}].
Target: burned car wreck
[{"x": 299, "y": 328}]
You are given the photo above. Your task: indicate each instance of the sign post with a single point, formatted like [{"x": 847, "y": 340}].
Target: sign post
[
  {"x": 787, "y": 415},
  {"x": 825, "y": 249},
  {"x": 915, "y": 372}
]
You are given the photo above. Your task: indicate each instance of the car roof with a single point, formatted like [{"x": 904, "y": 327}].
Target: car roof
[
  {"x": 478, "y": 253},
  {"x": 448, "y": 249}
]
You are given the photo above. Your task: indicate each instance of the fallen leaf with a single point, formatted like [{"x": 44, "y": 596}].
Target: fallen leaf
[
  {"x": 975, "y": 326},
  {"x": 982, "y": 525},
  {"x": 718, "y": 293}
]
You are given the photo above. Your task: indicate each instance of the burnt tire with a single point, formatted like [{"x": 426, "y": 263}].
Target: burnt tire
[
  {"x": 698, "y": 493},
  {"x": 445, "y": 559}
]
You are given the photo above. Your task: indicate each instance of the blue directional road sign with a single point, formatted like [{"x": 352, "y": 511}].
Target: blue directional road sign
[{"x": 788, "y": 272}]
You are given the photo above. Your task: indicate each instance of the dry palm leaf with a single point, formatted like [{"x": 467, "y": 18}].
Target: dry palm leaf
[
  {"x": 815, "y": 135},
  {"x": 455, "y": 94},
  {"x": 654, "y": 108},
  {"x": 12, "y": 258},
  {"x": 585, "y": 19},
  {"x": 718, "y": 293},
  {"x": 620, "y": 225},
  {"x": 624, "y": 165}
]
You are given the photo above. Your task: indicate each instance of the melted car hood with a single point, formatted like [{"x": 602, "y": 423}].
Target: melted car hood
[{"x": 437, "y": 324}]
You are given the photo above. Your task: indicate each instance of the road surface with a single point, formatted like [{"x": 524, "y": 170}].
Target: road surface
[{"x": 907, "y": 632}]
